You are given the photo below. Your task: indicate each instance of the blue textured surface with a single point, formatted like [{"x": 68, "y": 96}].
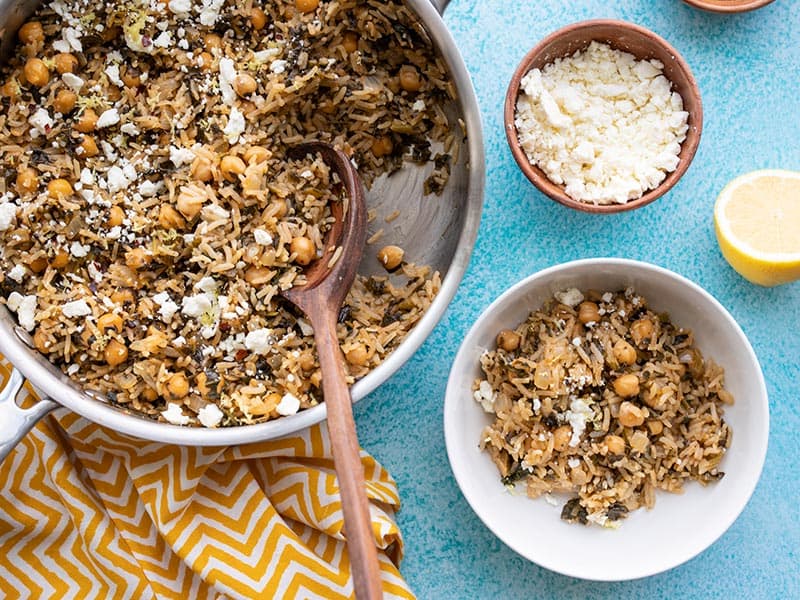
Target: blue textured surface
[{"x": 748, "y": 68}]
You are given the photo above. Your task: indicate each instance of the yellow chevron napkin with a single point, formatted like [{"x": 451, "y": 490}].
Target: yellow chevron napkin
[{"x": 86, "y": 512}]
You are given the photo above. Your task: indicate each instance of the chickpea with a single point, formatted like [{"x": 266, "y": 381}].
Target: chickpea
[
  {"x": 561, "y": 438},
  {"x": 382, "y": 146},
  {"x": 87, "y": 122},
  {"x": 130, "y": 77},
  {"x": 303, "y": 250},
  {"x": 627, "y": 385},
  {"x": 231, "y": 166},
  {"x": 358, "y": 356},
  {"x": 110, "y": 321},
  {"x": 655, "y": 427},
  {"x": 306, "y": 6},
  {"x": 177, "y": 386},
  {"x": 205, "y": 61},
  {"x": 88, "y": 147},
  {"x": 390, "y": 257},
  {"x": 244, "y": 84},
  {"x": 64, "y": 62},
  {"x": 116, "y": 215},
  {"x": 641, "y": 330},
  {"x": 256, "y": 154},
  {"x": 201, "y": 382},
  {"x": 123, "y": 297},
  {"x": 115, "y": 353},
  {"x": 59, "y": 188},
  {"x": 624, "y": 352},
  {"x": 36, "y": 72},
  {"x": 630, "y": 415},
  {"x": 31, "y": 32},
  {"x": 588, "y": 312},
  {"x": 40, "y": 341},
  {"x": 189, "y": 204},
  {"x": 10, "y": 89},
  {"x": 136, "y": 258},
  {"x": 258, "y": 275},
  {"x": 508, "y": 340},
  {"x": 149, "y": 394},
  {"x": 258, "y": 18},
  {"x": 306, "y": 361},
  {"x": 615, "y": 444},
  {"x": 212, "y": 42},
  {"x": 202, "y": 169},
  {"x": 38, "y": 265},
  {"x": 350, "y": 41},
  {"x": 113, "y": 93},
  {"x": 169, "y": 218},
  {"x": 279, "y": 208},
  {"x": 409, "y": 78},
  {"x": 65, "y": 101},
  {"x": 27, "y": 181},
  {"x": 60, "y": 260}
]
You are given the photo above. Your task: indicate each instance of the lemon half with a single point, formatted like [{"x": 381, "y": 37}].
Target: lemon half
[{"x": 757, "y": 221}]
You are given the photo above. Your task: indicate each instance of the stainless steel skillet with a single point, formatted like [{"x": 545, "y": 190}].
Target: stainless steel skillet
[{"x": 439, "y": 231}]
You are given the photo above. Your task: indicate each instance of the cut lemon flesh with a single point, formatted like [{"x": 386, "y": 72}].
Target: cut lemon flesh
[{"x": 757, "y": 221}]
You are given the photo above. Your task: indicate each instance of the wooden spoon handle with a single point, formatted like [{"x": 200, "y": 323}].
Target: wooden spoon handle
[{"x": 349, "y": 470}]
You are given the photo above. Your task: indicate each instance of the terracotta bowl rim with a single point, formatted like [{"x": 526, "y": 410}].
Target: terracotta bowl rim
[
  {"x": 730, "y": 6},
  {"x": 555, "y": 191}
]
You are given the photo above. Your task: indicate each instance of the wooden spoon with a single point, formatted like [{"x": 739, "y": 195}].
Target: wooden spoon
[{"x": 321, "y": 299}]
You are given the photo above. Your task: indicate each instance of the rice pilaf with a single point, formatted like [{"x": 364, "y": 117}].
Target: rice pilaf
[
  {"x": 600, "y": 397},
  {"x": 149, "y": 218}
]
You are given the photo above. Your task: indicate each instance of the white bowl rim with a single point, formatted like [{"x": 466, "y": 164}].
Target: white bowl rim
[{"x": 759, "y": 453}]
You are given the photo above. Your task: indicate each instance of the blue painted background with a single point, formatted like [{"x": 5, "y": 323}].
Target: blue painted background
[{"x": 748, "y": 68}]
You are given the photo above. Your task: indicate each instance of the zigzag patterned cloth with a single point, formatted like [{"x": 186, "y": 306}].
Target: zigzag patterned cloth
[{"x": 86, "y": 512}]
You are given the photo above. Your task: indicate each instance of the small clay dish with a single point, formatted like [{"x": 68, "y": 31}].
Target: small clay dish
[
  {"x": 626, "y": 37},
  {"x": 728, "y": 6}
]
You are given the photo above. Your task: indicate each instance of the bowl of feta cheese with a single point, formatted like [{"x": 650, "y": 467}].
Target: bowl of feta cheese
[{"x": 603, "y": 116}]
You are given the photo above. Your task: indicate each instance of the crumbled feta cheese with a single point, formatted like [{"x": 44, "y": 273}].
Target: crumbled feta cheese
[
  {"x": 148, "y": 188},
  {"x": 8, "y": 213},
  {"x": 550, "y": 500},
  {"x": 179, "y": 342},
  {"x": 259, "y": 341},
  {"x": 73, "y": 82},
  {"x": 214, "y": 212},
  {"x": 210, "y": 415},
  {"x": 108, "y": 118},
  {"x": 227, "y": 74},
  {"x": 570, "y": 297},
  {"x": 61, "y": 46},
  {"x": 78, "y": 250},
  {"x": 130, "y": 129},
  {"x": 278, "y": 66},
  {"x": 41, "y": 122},
  {"x": 235, "y": 126},
  {"x": 76, "y": 308},
  {"x": 73, "y": 368},
  {"x": 195, "y": 306},
  {"x": 168, "y": 308},
  {"x": 25, "y": 307},
  {"x": 207, "y": 284},
  {"x": 87, "y": 177},
  {"x": 607, "y": 297},
  {"x": 183, "y": 44},
  {"x": 112, "y": 71},
  {"x": 289, "y": 405},
  {"x": 305, "y": 327},
  {"x": 418, "y": 106},
  {"x": 263, "y": 238},
  {"x": 164, "y": 40},
  {"x": 17, "y": 273},
  {"x": 577, "y": 416},
  {"x": 576, "y": 341},
  {"x": 174, "y": 414},
  {"x": 263, "y": 56},
  {"x": 180, "y": 156},
  {"x": 573, "y": 462},
  {"x": 116, "y": 179},
  {"x": 209, "y": 11},
  {"x": 601, "y": 123},
  {"x": 485, "y": 395},
  {"x": 73, "y": 38}
]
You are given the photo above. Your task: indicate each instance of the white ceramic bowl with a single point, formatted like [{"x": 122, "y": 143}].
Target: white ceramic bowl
[{"x": 648, "y": 542}]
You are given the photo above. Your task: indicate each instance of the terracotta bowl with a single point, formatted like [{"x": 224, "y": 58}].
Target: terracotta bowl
[
  {"x": 643, "y": 44},
  {"x": 728, "y": 6}
]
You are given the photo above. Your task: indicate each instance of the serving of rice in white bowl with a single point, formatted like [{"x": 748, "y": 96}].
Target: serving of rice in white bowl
[{"x": 634, "y": 528}]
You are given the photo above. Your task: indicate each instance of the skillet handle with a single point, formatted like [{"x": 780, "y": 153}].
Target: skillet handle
[
  {"x": 440, "y": 5},
  {"x": 15, "y": 422}
]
